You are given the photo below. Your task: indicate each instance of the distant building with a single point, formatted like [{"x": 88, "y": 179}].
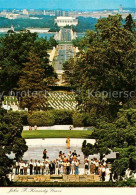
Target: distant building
[
  {"x": 16, "y": 16},
  {"x": 25, "y": 12},
  {"x": 120, "y": 8},
  {"x": 38, "y": 30},
  {"x": 61, "y": 13},
  {"x": 5, "y": 30},
  {"x": 64, "y": 21}
]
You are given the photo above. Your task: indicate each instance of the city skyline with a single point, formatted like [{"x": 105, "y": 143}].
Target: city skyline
[{"x": 70, "y": 5}]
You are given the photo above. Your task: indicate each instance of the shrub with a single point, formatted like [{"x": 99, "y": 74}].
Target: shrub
[
  {"x": 78, "y": 120},
  {"x": 20, "y": 114},
  {"x": 83, "y": 120},
  {"x": 62, "y": 117},
  {"x": 41, "y": 119}
]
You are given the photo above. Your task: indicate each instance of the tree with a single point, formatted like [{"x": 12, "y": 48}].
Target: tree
[
  {"x": 11, "y": 142},
  {"x": 104, "y": 71},
  {"x": 14, "y": 49},
  {"x": 31, "y": 84},
  {"x": 120, "y": 137},
  {"x": 14, "y": 53},
  {"x": 129, "y": 25},
  {"x": 52, "y": 42}
]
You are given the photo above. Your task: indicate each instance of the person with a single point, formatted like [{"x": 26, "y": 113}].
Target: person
[
  {"x": 38, "y": 167},
  {"x": 60, "y": 153},
  {"x": 110, "y": 174},
  {"x": 91, "y": 167},
  {"x": 51, "y": 168},
  {"x": 70, "y": 128},
  {"x": 67, "y": 168},
  {"x": 25, "y": 168},
  {"x": 65, "y": 159},
  {"x": 72, "y": 167},
  {"x": 86, "y": 167},
  {"x": 31, "y": 167},
  {"x": 76, "y": 167},
  {"x": 69, "y": 155},
  {"x": 61, "y": 167},
  {"x": 47, "y": 159},
  {"x": 42, "y": 165},
  {"x": 46, "y": 168},
  {"x": 17, "y": 165},
  {"x": 96, "y": 167},
  {"x": 64, "y": 167},
  {"x": 74, "y": 153},
  {"x": 103, "y": 173},
  {"x": 44, "y": 154},
  {"x": 78, "y": 158},
  {"x": 57, "y": 168},
  {"x": 35, "y": 167},
  {"x": 21, "y": 164},
  {"x": 35, "y": 127},
  {"x": 30, "y": 128},
  {"x": 68, "y": 143}
]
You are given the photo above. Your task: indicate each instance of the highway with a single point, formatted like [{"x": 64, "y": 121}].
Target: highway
[{"x": 65, "y": 52}]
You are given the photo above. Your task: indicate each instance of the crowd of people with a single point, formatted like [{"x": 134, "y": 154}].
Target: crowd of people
[{"x": 62, "y": 165}]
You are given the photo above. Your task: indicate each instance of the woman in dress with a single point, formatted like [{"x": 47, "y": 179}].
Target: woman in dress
[
  {"x": 44, "y": 154},
  {"x": 76, "y": 167},
  {"x": 68, "y": 143}
]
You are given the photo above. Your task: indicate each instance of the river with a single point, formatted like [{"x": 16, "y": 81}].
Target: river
[{"x": 47, "y": 35}]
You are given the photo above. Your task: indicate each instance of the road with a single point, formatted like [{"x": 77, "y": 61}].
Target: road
[{"x": 65, "y": 52}]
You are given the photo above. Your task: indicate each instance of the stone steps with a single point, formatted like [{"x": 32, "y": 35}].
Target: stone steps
[{"x": 56, "y": 178}]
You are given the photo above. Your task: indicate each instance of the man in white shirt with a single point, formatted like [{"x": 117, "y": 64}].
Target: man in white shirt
[
  {"x": 21, "y": 164},
  {"x": 38, "y": 167},
  {"x": 35, "y": 167},
  {"x": 42, "y": 165},
  {"x": 25, "y": 168},
  {"x": 17, "y": 167},
  {"x": 47, "y": 168}
]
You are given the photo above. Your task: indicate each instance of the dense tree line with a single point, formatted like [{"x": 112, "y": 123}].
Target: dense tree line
[
  {"x": 11, "y": 143},
  {"x": 25, "y": 61},
  {"x": 103, "y": 74},
  {"x": 120, "y": 137},
  {"x": 47, "y": 22}
]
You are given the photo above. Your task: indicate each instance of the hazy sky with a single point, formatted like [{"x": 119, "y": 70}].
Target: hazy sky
[{"x": 67, "y": 4}]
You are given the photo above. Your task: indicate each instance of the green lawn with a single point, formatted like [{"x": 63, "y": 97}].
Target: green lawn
[{"x": 56, "y": 134}]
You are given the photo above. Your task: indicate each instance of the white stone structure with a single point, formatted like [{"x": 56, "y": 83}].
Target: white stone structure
[
  {"x": 64, "y": 21},
  {"x": 38, "y": 30}
]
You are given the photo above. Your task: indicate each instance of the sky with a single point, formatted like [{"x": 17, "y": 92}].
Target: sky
[{"x": 67, "y": 4}]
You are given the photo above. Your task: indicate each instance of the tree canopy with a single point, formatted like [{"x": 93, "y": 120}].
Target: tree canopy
[
  {"x": 14, "y": 53},
  {"x": 11, "y": 142},
  {"x": 120, "y": 137},
  {"x": 104, "y": 71}
]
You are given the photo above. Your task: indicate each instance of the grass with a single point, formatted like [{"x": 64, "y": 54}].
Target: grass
[{"x": 56, "y": 134}]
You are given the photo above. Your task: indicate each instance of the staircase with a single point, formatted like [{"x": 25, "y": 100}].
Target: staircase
[{"x": 56, "y": 178}]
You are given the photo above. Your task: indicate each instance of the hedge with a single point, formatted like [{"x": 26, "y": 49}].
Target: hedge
[
  {"x": 55, "y": 117},
  {"x": 41, "y": 119},
  {"x": 83, "y": 120},
  {"x": 20, "y": 114},
  {"x": 62, "y": 117}
]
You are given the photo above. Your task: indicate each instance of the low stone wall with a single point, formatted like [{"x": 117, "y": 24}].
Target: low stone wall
[
  {"x": 59, "y": 127},
  {"x": 56, "y": 178}
]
